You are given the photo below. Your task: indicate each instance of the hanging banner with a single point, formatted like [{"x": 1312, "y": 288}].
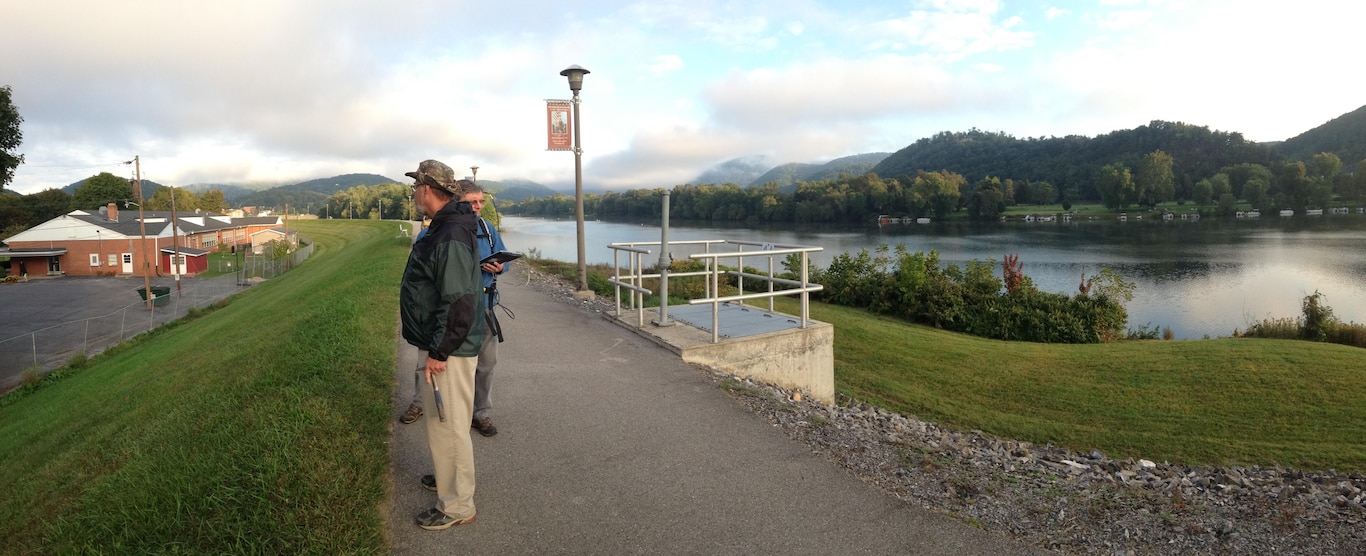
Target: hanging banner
[{"x": 557, "y": 126}]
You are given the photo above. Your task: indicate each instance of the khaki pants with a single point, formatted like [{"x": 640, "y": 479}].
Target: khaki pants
[{"x": 449, "y": 441}]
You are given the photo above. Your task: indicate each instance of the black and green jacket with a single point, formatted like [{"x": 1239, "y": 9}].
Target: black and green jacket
[{"x": 441, "y": 302}]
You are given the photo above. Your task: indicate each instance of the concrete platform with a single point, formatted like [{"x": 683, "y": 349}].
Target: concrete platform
[{"x": 753, "y": 342}]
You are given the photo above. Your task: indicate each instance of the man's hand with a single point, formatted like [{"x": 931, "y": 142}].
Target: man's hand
[
  {"x": 434, "y": 367},
  {"x": 493, "y": 267}
]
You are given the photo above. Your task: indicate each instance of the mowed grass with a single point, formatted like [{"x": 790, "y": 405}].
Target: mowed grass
[
  {"x": 261, "y": 427},
  {"x": 1237, "y": 401}
]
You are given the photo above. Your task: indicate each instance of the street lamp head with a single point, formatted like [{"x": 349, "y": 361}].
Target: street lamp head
[{"x": 575, "y": 74}]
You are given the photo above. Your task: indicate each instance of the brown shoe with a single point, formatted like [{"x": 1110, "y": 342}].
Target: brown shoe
[
  {"x": 414, "y": 411},
  {"x": 484, "y": 426}
]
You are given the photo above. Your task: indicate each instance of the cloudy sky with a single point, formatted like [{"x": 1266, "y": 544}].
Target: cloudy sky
[{"x": 279, "y": 91}]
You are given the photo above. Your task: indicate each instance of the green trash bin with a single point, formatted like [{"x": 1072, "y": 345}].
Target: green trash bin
[{"x": 161, "y": 295}]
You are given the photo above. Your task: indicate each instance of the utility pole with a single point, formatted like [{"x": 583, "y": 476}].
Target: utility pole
[
  {"x": 142, "y": 222},
  {"x": 175, "y": 243}
]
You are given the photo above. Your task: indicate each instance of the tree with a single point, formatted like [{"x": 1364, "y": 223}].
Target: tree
[
  {"x": 1042, "y": 193},
  {"x": 1294, "y": 186},
  {"x": 212, "y": 201},
  {"x": 10, "y": 137},
  {"x": 1154, "y": 179},
  {"x": 1116, "y": 186},
  {"x": 100, "y": 190},
  {"x": 1203, "y": 193},
  {"x": 1255, "y": 191},
  {"x": 1240, "y": 174},
  {"x": 1325, "y": 166},
  {"x": 939, "y": 191},
  {"x": 1353, "y": 189},
  {"x": 184, "y": 200},
  {"x": 986, "y": 201},
  {"x": 1219, "y": 185}
]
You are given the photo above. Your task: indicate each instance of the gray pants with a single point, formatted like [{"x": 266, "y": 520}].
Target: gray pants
[{"x": 483, "y": 376}]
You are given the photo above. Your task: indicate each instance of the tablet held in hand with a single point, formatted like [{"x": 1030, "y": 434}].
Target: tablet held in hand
[{"x": 500, "y": 257}]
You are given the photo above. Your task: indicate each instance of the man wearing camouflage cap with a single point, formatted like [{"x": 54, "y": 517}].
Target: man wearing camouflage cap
[{"x": 441, "y": 302}]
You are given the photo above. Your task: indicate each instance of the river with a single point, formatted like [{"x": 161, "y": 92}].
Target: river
[{"x": 1200, "y": 278}]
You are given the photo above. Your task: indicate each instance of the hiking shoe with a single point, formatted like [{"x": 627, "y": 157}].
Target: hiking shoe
[
  {"x": 484, "y": 426},
  {"x": 435, "y": 520},
  {"x": 414, "y": 411},
  {"x": 429, "y": 482}
]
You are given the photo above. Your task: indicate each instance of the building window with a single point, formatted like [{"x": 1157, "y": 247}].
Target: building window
[
  {"x": 113, "y": 259},
  {"x": 94, "y": 259}
]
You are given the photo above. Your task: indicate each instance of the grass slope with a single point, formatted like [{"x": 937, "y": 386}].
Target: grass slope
[
  {"x": 262, "y": 427},
  {"x": 1224, "y": 401}
]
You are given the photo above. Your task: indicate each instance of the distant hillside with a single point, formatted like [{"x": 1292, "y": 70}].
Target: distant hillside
[
  {"x": 1344, "y": 136},
  {"x": 304, "y": 196},
  {"x": 231, "y": 193},
  {"x": 740, "y": 171},
  {"x": 515, "y": 190},
  {"x": 149, "y": 188},
  {"x": 787, "y": 175},
  {"x": 339, "y": 183},
  {"x": 1071, "y": 163}
]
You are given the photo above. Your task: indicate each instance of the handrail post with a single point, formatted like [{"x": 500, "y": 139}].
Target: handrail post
[
  {"x": 664, "y": 264},
  {"x": 806, "y": 295}
]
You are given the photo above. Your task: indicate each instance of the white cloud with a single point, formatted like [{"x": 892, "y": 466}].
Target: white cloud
[
  {"x": 264, "y": 90},
  {"x": 954, "y": 30},
  {"x": 665, "y": 63}
]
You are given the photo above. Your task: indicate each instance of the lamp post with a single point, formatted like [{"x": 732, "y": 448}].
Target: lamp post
[
  {"x": 575, "y": 74},
  {"x": 474, "y": 174}
]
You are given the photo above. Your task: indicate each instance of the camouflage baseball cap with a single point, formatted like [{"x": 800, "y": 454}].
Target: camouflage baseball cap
[{"x": 435, "y": 174}]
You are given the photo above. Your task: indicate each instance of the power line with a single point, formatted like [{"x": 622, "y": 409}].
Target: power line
[{"x": 74, "y": 167}]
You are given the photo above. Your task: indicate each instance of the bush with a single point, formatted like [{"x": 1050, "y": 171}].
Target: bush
[{"x": 972, "y": 300}]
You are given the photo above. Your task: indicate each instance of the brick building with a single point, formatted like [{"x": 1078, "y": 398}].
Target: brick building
[{"x": 110, "y": 243}]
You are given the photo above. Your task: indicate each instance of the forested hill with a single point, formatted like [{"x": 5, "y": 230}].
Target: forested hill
[
  {"x": 787, "y": 175},
  {"x": 1344, "y": 136},
  {"x": 311, "y": 193},
  {"x": 1070, "y": 163}
]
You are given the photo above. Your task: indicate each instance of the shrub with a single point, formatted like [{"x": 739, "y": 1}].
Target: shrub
[
  {"x": 1318, "y": 321},
  {"x": 972, "y": 300}
]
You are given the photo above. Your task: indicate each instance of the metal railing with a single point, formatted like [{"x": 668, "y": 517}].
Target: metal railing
[
  {"x": 712, "y": 253},
  {"x": 52, "y": 347}
]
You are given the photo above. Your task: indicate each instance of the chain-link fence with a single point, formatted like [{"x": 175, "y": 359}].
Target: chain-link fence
[
  {"x": 28, "y": 356},
  {"x": 249, "y": 265}
]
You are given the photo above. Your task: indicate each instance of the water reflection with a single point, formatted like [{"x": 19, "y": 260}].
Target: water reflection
[{"x": 1205, "y": 277}]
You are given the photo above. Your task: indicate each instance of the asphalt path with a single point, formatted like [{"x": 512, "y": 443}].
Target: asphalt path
[{"x": 610, "y": 444}]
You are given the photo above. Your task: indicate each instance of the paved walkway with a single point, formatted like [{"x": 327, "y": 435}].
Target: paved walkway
[{"x": 609, "y": 444}]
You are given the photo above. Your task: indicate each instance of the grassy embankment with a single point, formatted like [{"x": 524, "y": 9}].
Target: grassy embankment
[
  {"x": 1223, "y": 401},
  {"x": 261, "y": 427}
]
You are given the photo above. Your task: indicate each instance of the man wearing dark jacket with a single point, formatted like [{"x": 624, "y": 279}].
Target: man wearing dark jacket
[{"x": 441, "y": 305}]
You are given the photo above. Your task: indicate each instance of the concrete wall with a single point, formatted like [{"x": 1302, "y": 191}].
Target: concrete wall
[{"x": 798, "y": 359}]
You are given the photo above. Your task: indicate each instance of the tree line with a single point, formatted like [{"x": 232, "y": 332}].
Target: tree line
[
  {"x": 861, "y": 199},
  {"x": 21, "y": 212}
]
